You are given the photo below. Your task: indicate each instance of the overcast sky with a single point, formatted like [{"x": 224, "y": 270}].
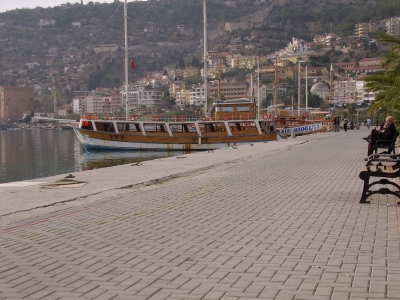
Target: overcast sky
[{"x": 13, "y": 4}]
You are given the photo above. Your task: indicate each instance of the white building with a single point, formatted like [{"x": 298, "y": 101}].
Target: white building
[
  {"x": 79, "y": 105},
  {"x": 197, "y": 96},
  {"x": 363, "y": 95},
  {"x": 346, "y": 91},
  {"x": 32, "y": 65},
  {"x": 45, "y": 22},
  {"x": 393, "y": 26},
  {"x": 139, "y": 95},
  {"x": 106, "y": 48},
  {"x": 297, "y": 46}
]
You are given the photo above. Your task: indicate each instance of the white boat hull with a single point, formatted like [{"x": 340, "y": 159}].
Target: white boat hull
[{"x": 102, "y": 144}]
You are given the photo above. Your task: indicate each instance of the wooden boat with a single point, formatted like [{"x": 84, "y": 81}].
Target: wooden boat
[{"x": 228, "y": 124}]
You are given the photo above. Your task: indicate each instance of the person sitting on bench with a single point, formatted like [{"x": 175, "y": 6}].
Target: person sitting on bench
[{"x": 386, "y": 132}]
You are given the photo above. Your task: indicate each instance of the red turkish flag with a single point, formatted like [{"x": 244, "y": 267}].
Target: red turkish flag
[{"x": 132, "y": 63}]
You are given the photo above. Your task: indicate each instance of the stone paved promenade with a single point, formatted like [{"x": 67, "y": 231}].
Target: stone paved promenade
[{"x": 278, "y": 224}]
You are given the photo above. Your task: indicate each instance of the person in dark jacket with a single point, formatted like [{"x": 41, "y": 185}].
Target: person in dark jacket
[{"x": 386, "y": 132}]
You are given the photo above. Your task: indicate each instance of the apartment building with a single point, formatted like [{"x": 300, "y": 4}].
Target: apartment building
[
  {"x": 196, "y": 95},
  {"x": 344, "y": 91},
  {"x": 228, "y": 90},
  {"x": 362, "y": 94},
  {"x": 79, "y": 105},
  {"x": 348, "y": 90},
  {"x": 393, "y": 26},
  {"x": 141, "y": 96},
  {"x": 364, "y": 29}
]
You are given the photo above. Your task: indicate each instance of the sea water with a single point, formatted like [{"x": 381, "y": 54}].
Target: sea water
[{"x": 36, "y": 153}]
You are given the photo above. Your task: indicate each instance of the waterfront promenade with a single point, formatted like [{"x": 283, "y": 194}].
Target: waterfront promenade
[{"x": 278, "y": 220}]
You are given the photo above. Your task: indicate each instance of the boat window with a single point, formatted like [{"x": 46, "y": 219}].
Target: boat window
[
  {"x": 131, "y": 127},
  {"x": 242, "y": 108},
  {"x": 105, "y": 126},
  {"x": 207, "y": 128},
  {"x": 155, "y": 127},
  {"x": 227, "y": 109},
  {"x": 183, "y": 129},
  {"x": 242, "y": 127}
]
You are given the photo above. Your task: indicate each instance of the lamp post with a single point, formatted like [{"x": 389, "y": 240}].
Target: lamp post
[
  {"x": 298, "y": 91},
  {"x": 306, "y": 90},
  {"x": 298, "y": 96}
]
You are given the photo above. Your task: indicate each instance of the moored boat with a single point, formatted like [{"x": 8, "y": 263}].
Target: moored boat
[{"x": 228, "y": 124}]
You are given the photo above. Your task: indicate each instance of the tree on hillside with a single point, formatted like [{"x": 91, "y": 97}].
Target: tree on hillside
[{"x": 387, "y": 83}]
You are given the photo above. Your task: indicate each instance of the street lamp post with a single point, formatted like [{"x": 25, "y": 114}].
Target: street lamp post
[
  {"x": 298, "y": 96},
  {"x": 298, "y": 92},
  {"x": 306, "y": 90}
]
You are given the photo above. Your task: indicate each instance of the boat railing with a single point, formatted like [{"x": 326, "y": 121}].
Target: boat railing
[{"x": 177, "y": 118}]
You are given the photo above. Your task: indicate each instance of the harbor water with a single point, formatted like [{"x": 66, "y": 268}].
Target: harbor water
[{"x": 36, "y": 153}]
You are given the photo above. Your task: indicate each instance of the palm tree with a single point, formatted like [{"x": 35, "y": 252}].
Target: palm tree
[{"x": 387, "y": 84}]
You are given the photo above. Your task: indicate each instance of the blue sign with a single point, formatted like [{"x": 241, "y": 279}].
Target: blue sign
[{"x": 302, "y": 129}]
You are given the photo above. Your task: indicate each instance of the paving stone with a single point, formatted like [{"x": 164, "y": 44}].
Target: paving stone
[{"x": 275, "y": 225}]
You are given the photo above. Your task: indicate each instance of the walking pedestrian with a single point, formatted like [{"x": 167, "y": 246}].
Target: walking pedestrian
[
  {"x": 345, "y": 122},
  {"x": 336, "y": 123},
  {"x": 368, "y": 123}
]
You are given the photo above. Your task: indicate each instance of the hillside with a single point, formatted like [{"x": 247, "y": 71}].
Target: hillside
[{"x": 161, "y": 33}]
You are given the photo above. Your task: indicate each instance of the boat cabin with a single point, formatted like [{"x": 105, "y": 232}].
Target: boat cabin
[{"x": 241, "y": 109}]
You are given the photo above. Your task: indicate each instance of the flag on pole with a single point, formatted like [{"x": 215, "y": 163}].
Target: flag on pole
[{"x": 132, "y": 63}]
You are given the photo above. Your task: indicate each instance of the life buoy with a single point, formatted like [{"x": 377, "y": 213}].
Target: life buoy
[
  {"x": 265, "y": 116},
  {"x": 174, "y": 118},
  {"x": 133, "y": 117},
  {"x": 226, "y": 117},
  {"x": 182, "y": 118},
  {"x": 203, "y": 118},
  {"x": 105, "y": 117},
  {"x": 244, "y": 117},
  {"x": 154, "y": 118}
]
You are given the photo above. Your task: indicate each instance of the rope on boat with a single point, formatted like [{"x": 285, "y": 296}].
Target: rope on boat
[{"x": 88, "y": 151}]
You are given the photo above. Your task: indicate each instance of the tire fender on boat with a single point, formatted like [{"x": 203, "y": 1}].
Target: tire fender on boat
[
  {"x": 154, "y": 118},
  {"x": 226, "y": 117},
  {"x": 203, "y": 118},
  {"x": 243, "y": 117},
  {"x": 265, "y": 116},
  {"x": 133, "y": 117},
  {"x": 105, "y": 117},
  {"x": 182, "y": 118}
]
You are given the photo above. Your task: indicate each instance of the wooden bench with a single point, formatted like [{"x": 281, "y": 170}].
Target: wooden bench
[
  {"x": 382, "y": 166},
  {"x": 390, "y": 145}
]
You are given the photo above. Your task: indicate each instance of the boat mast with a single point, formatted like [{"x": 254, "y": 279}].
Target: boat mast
[
  {"x": 219, "y": 77},
  {"x": 205, "y": 55},
  {"x": 126, "y": 59},
  {"x": 276, "y": 85},
  {"x": 258, "y": 88}
]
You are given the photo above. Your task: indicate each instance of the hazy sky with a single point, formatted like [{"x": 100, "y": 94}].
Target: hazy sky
[{"x": 13, "y": 4}]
